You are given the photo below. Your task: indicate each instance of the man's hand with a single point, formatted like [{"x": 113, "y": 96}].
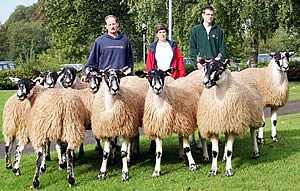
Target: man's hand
[{"x": 84, "y": 79}]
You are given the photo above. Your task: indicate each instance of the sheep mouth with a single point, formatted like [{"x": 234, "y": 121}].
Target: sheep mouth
[
  {"x": 21, "y": 98},
  {"x": 208, "y": 85}
]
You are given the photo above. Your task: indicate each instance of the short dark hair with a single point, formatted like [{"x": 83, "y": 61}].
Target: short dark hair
[
  {"x": 209, "y": 7},
  {"x": 161, "y": 26},
  {"x": 108, "y": 16}
]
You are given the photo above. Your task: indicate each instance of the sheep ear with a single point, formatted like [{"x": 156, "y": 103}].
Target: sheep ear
[
  {"x": 140, "y": 74},
  {"x": 15, "y": 80},
  {"x": 87, "y": 70},
  {"x": 38, "y": 79},
  {"x": 272, "y": 54},
  {"x": 226, "y": 63},
  {"x": 169, "y": 72},
  {"x": 291, "y": 53},
  {"x": 126, "y": 70},
  {"x": 218, "y": 57},
  {"x": 36, "y": 73}
]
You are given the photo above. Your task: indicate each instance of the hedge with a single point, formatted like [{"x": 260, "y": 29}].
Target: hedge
[{"x": 6, "y": 84}]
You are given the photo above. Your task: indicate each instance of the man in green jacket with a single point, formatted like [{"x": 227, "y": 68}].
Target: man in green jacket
[{"x": 207, "y": 39}]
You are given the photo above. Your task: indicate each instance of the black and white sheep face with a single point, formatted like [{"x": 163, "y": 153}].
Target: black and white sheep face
[
  {"x": 94, "y": 78},
  {"x": 282, "y": 60},
  {"x": 67, "y": 77},
  {"x": 49, "y": 79},
  {"x": 156, "y": 80},
  {"x": 214, "y": 73},
  {"x": 112, "y": 79},
  {"x": 25, "y": 87}
]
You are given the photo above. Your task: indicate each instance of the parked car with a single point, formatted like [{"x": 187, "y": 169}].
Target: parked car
[
  {"x": 187, "y": 61},
  {"x": 7, "y": 65},
  {"x": 263, "y": 58},
  {"x": 76, "y": 66}
]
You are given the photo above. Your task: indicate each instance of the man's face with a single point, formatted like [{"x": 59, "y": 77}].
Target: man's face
[
  {"x": 208, "y": 16},
  {"x": 162, "y": 35},
  {"x": 111, "y": 25}
]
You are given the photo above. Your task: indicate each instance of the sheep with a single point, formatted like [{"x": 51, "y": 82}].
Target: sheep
[
  {"x": 68, "y": 79},
  {"x": 65, "y": 123},
  {"x": 229, "y": 105},
  {"x": 116, "y": 112},
  {"x": 169, "y": 108},
  {"x": 14, "y": 127},
  {"x": 273, "y": 84}
]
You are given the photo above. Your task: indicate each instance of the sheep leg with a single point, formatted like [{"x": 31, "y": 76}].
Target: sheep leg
[
  {"x": 81, "y": 151},
  {"x": 124, "y": 154},
  {"x": 229, "y": 147},
  {"x": 113, "y": 151},
  {"x": 215, "y": 153},
  {"x": 43, "y": 164},
  {"x": 193, "y": 142},
  {"x": 260, "y": 134},
  {"x": 135, "y": 147},
  {"x": 60, "y": 149},
  {"x": 106, "y": 151},
  {"x": 225, "y": 148},
  {"x": 18, "y": 155},
  {"x": 70, "y": 166},
  {"x": 48, "y": 157},
  {"x": 158, "y": 155},
  {"x": 199, "y": 146},
  {"x": 188, "y": 153},
  {"x": 8, "y": 147},
  {"x": 129, "y": 149},
  {"x": 205, "y": 151},
  {"x": 181, "y": 152},
  {"x": 274, "y": 123},
  {"x": 255, "y": 145},
  {"x": 98, "y": 146},
  {"x": 36, "y": 179}
]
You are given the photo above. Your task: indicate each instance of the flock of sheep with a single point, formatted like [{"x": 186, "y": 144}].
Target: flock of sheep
[{"x": 58, "y": 107}]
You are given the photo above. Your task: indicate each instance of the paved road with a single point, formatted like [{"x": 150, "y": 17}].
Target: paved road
[{"x": 289, "y": 108}]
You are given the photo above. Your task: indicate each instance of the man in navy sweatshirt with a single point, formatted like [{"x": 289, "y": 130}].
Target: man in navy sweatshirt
[{"x": 111, "y": 49}]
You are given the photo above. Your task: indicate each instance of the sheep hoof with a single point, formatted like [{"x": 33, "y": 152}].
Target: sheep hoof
[
  {"x": 8, "y": 166},
  {"x": 17, "y": 171},
  {"x": 275, "y": 139},
  {"x": 260, "y": 141},
  {"x": 71, "y": 181},
  {"x": 101, "y": 176},
  {"x": 62, "y": 165},
  {"x": 48, "y": 158},
  {"x": 156, "y": 173},
  {"x": 213, "y": 172},
  {"x": 125, "y": 176},
  {"x": 36, "y": 184},
  {"x": 205, "y": 159},
  {"x": 229, "y": 172},
  {"x": 255, "y": 155},
  {"x": 193, "y": 167}
]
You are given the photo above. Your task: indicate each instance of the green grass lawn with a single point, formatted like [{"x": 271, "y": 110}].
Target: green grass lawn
[
  {"x": 276, "y": 169},
  {"x": 294, "y": 90}
]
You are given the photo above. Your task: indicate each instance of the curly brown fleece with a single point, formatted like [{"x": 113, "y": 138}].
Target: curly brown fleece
[
  {"x": 240, "y": 108},
  {"x": 274, "y": 93},
  {"x": 57, "y": 114}
]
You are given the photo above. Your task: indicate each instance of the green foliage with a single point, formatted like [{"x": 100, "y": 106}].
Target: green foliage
[
  {"x": 24, "y": 37},
  {"x": 5, "y": 82}
]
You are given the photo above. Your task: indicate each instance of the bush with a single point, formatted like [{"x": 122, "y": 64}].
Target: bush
[{"x": 6, "y": 83}]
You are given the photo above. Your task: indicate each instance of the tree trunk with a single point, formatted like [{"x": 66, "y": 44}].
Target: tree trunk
[{"x": 254, "y": 51}]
